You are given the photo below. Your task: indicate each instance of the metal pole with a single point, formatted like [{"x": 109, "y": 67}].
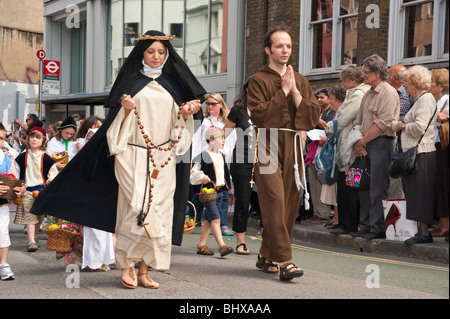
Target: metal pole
[{"x": 40, "y": 88}]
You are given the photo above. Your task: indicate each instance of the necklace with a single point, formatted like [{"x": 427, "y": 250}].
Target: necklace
[{"x": 151, "y": 146}]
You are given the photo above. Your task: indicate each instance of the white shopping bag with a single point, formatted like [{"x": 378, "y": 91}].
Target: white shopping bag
[{"x": 396, "y": 225}]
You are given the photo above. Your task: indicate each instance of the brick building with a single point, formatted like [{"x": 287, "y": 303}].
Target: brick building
[{"x": 328, "y": 35}]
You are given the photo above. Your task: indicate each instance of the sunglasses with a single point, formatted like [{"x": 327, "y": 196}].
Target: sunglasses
[{"x": 211, "y": 103}]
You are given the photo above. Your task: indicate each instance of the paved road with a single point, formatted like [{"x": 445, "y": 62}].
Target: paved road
[{"x": 328, "y": 275}]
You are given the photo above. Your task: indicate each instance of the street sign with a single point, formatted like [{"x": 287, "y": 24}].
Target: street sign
[
  {"x": 51, "y": 87},
  {"x": 41, "y": 54},
  {"x": 51, "y": 84},
  {"x": 51, "y": 68}
]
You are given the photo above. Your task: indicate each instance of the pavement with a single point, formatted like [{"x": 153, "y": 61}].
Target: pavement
[{"x": 316, "y": 233}]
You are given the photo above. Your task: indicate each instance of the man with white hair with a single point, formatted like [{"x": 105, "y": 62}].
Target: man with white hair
[{"x": 380, "y": 106}]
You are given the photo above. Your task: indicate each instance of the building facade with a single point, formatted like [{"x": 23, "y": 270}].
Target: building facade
[
  {"x": 91, "y": 40},
  {"x": 21, "y": 35},
  {"x": 222, "y": 41},
  {"x": 329, "y": 35}
]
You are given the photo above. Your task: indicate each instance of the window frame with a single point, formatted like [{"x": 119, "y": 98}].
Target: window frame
[
  {"x": 307, "y": 36},
  {"x": 396, "y": 37}
]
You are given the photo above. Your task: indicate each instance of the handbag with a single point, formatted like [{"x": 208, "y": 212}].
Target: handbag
[
  {"x": 443, "y": 131},
  {"x": 404, "y": 163},
  {"x": 325, "y": 160},
  {"x": 358, "y": 175}
]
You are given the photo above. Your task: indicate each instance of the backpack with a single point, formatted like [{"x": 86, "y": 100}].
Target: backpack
[{"x": 326, "y": 167}]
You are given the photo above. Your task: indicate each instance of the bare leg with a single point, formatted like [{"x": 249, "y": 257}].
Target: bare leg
[
  {"x": 129, "y": 278},
  {"x": 144, "y": 278},
  {"x": 206, "y": 228},
  {"x": 217, "y": 233},
  {"x": 31, "y": 233},
  {"x": 241, "y": 240}
]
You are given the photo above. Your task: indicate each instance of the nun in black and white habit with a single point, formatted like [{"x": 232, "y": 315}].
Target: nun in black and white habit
[{"x": 121, "y": 180}]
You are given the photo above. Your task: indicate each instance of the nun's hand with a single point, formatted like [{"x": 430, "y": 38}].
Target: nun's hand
[
  {"x": 127, "y": 102},
  {"x": 191, "y": 107}
]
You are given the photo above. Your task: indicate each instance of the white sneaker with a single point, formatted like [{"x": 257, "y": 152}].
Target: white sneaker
[{"x": 6, "y": 273}]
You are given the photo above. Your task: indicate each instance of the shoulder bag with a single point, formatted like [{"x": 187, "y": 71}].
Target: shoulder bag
[{"x": 404, "y": 163}]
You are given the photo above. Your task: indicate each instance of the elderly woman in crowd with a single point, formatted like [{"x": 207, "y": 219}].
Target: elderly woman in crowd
[
  {"x": 439, "y": 89},
  {"x": 346, "y": 198},
  {"x": 418, "y": 122}
]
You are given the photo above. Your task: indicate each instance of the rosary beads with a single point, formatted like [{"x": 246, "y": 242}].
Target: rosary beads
[{"x": 151, "y": 146}]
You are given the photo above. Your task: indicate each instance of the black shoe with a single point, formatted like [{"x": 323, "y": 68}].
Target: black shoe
[
  {"x": 338, "y": 231},
  {"x": 370, "y": 236},
  {"x": 419, "y": 239},
  {"x": 446, "y": 239},
  {"x": 359, "y": 233}
]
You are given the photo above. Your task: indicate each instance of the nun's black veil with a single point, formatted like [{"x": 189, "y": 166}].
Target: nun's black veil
[
  {"x": 85, "y": 191},
  {"x": 175, "y": 66}
]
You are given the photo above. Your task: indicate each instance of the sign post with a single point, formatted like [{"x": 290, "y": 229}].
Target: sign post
[
  {"x": 51, "y": 84},
  {"x": 41, "y": 56}
]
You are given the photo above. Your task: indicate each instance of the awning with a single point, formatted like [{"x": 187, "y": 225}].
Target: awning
[{"x": 74, "y": 99}]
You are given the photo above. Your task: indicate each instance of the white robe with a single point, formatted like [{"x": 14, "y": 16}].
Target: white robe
[
  {"x": 98, "y": 248},
  {"x": 158, "y": 114}
]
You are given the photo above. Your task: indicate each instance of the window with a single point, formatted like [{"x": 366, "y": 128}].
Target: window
[
  {"x": 418, "y": 31},
  {"x": 322, "y": 25},
  {"x": 206, "y": 25},
  {"x": 332, "y": 27},
  {"x": 200, "y": 27}
]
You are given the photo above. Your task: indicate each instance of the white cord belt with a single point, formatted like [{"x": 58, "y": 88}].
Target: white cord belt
[{"x": 300, "y": 183}]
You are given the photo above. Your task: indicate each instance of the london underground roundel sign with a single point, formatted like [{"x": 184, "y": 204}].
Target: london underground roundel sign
[{"x": 51, "y": 67}]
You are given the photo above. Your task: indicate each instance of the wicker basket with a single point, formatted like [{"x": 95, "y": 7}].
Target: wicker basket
[
  {"x": 62, "y": 159},
  {"x": 11, "y": 182},
  {"x": 19, "y": 217},
  {"x": 59, "y": 239},
  {"x": 207, "y": 197},
  {"x": 190, "y": 229}
]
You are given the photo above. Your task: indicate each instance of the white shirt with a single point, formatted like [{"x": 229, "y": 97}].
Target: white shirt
[{"x": 54, "y": 147}]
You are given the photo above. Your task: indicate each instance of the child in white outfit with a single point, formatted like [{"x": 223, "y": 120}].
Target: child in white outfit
[{"x": 7, "y": 166}]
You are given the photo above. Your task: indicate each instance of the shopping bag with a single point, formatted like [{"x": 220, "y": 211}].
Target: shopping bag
[
  {"x": 397, "y": 227},
  {"x": 358, "y": 175}
]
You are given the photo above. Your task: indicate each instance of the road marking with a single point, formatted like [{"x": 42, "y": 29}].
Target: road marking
[{"x": 388, "y": 261}]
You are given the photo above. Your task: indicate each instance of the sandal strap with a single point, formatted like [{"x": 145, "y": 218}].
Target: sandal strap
[
  {"x": 286, "y": 269},
  {"x": 265, "y": 263},
  {"x": 243, "y": 245},
  {"x": 204, "y": 250}
]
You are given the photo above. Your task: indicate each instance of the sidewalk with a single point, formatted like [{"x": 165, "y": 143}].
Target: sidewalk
[{"x": 317, "y": 234}]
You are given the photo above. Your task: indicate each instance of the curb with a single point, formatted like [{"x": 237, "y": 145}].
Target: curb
[{"x": 438, "y": 251}]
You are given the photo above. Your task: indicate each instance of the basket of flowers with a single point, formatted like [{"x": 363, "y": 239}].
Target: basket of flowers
[
  {"x": 207, "y": 194},
  {"x": 11, "y": 181},
  {"x": 59, "y": 236},
  {"x": 60, "y": 157},
  {"x": 189, "y": 224}
]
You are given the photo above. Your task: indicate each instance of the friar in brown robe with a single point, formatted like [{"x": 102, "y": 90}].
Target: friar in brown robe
[{"x": 282, "y": 104}]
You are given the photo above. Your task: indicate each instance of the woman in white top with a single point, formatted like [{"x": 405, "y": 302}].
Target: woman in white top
[
  {"x": 216, "y": 114},
  {"x": 418, "y": 128}
]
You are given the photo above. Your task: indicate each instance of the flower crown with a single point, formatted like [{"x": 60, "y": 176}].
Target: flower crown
[{"x": 157, "y": 37}]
